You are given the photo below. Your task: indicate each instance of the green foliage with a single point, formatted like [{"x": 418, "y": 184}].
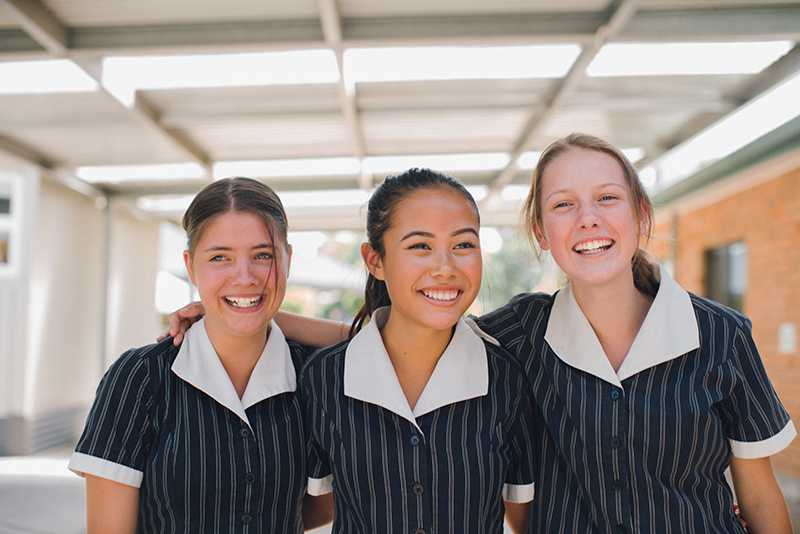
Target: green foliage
[{"x": 512, "y": 270}]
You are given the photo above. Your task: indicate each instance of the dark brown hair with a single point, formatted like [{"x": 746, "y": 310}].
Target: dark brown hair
[
  {"x": 645, "y": 275},
  {"x": 379, "y": 218}
]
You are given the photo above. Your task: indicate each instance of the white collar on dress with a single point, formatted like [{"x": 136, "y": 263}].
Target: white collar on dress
[
  {"x": 669, "y": 330},
  {"x": 198, "y": 364},
  {"x": 461, "y": 373}
]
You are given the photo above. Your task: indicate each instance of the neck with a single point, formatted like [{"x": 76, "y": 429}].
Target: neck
[
  {"x": 616, "y": 312},
  {"x": 414, "y": 351},
  {"x": 238, "y": 354}
]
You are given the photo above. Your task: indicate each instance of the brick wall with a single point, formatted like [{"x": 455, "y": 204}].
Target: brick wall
[{"x": 766, "y": 217}]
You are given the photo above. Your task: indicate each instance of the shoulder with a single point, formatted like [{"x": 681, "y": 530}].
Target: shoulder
[
  {"x": 710, "y": 313},
  {"x": 324, "y": 360},
  {"x": 522, "y": 312},
  {"x": 150, "y": 357},
  {"x": 299, "y": 353}
]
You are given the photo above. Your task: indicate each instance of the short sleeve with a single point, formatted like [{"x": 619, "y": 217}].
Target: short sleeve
[
  {"x": 519, "y": 483},
  {"x": 115, "y": 440},
  {"x": 320, "y": 474},
  {"x": 320, "y": 477},
  {"x": 756, "y": 422}
]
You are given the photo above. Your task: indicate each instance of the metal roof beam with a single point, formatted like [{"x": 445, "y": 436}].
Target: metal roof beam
[
  {"x": 619, "y": 14},
  {"x": 40, "y": 23},
  {"x": 331, "y": 22},
  {"x": 727, "y": 23}
]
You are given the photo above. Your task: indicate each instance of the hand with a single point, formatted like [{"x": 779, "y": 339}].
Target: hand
[{"x": 181, "y": 320}]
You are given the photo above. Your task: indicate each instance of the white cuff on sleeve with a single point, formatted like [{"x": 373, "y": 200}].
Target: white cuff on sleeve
[
  {"x": 83, "y": 464},
  {"x": 320, "y": 486},
  {"x": 518, "y": 493},
  {"x": 749, "y": 450}
]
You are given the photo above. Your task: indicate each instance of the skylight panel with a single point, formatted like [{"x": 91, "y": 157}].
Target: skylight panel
[
  {"x": 661, "y": 59},
  {"x": 330, "y": 198},
  {"x": 488, "y": 161},
  {"x": 124, "y": 75},
  {"x": 47, "y": 76},
  {"x": 769, "y": 111},
  {"x": 310, "y": 167},
  {"x": 134, "y": 173},
  {"x": 454, "y": 63}
]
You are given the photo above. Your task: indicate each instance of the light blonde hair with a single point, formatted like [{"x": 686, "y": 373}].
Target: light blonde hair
[{"x": 645, "y": 273}]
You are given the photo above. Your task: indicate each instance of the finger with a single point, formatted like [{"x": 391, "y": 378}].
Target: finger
[
  {"x": 161, "y": 338},
  {"x": 190, "y": 311}
]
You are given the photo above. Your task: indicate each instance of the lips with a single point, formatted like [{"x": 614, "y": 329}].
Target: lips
[
  {"x": 244, "y": 302},
  {"x": 593, "y": 246},
  {"x": 441, "y": 295}
]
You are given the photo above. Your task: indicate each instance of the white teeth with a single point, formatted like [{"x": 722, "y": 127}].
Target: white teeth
[
  {"x": 441, "y": 295},
  {"x": 243, "y": 302},
  {"x": 589, "y": 246}
]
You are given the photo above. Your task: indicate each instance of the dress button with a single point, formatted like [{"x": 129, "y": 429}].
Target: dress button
[
  {"x": 414, "y": 440},
  {"x": 244, "y": 432},
  {"x": 620, "y": 529},
  {"x": 616, "y": 442},
  {"x": 615, "y": 394},
  {"x": 618, "y": 484},
  {"x": 417, "y": 488},
  {"x": 249, "y": 478},
  {"x": 246, "y": 518}
]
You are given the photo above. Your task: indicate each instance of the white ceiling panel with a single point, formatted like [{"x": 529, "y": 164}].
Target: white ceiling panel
[
  {"x": 451, "y": 94},
  {"x": 243, "y": 101},
  {"x": 101, "y": 143},
  {"x": 271, "y": 136},
  {"x": 58, "y": 109},
  {"x": 125, "y": 12},
  {"x": 432, "y": 132},
  {"x": 368, "y": 8}
]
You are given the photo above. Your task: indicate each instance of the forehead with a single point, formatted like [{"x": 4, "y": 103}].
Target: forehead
[
  {"x": 434, "y": 207},
  {"x": 578, "y": 168},
  {"x": 235, "y": 228}
]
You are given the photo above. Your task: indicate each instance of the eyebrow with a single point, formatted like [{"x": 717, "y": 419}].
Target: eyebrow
[
  {"x": 599, "y": 186},
  {"x": 224, "y": 248},
  {"x": 421, "y": 233}
]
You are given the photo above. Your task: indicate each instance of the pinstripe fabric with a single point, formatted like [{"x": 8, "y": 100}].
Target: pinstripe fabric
[
  {"x": 204, "y": 470},
  {"x": 647, "y": 457},
  {"x": 447, "y": 476}
]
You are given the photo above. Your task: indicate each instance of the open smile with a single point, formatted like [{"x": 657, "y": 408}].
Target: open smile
[
  {"x": 441, "y": 296},
  {"x": 593, "y": 247},
  {"x": 244, "y": 303}
]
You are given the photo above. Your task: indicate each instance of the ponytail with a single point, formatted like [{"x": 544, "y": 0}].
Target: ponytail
[
  {"x": 375, "y": 296},
  {"x": 645, "y": 274}
]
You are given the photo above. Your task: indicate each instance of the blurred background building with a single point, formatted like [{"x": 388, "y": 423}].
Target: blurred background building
[{"x": 113, "y": 114}]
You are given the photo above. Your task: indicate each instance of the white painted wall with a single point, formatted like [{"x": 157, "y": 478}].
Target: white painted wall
[
  {"x": 66, "y": 292},
  {"x": 132, "y": 317}
]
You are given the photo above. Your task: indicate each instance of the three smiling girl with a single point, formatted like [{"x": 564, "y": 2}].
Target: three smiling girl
[{"x": 624, "y": 398}]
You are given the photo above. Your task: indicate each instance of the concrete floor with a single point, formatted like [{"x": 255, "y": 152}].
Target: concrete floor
[{"x": 38, "y": 495}]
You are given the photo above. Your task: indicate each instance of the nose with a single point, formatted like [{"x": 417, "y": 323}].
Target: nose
[
  {"x": 587, "y": 216},
  {"x": 442, "y": 263},
  {"x": 245, "y": 274}
]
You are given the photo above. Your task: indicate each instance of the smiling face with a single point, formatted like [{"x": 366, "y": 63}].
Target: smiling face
[
  {"x": 240, "y": 274},
  {"x": 588, "y": 221},
  {"x": 432, "y": 260}
]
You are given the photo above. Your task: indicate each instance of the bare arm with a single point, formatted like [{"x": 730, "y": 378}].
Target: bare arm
[
  {"x": 317, "y": 511},
  {"x": 305, "y": 330},
  {"x": 311, "y": 331},
  {"x": 517, "y": 516},
  {"x": 760, "y": 498},
  {"x": 111, "y": 507}
]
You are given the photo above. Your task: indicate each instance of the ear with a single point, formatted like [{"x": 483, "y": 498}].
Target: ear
[
  {"x": 544, "y": 244},
  {"x": 288, "y": 258},
  {"x": 372, "y": 260},
  {"x": 187, "y": 261}
]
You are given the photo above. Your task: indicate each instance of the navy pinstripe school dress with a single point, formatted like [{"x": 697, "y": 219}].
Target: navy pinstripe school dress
[
  {"x": 443, "y": 467},
  {"x": 642, "y": 449},
  {"x": 170, "y": 422}
]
